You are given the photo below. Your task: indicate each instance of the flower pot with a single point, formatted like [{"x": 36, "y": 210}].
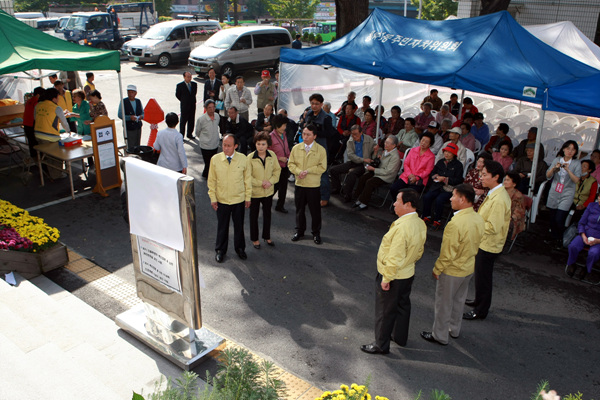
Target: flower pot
[{"x": 30, "y": 265}]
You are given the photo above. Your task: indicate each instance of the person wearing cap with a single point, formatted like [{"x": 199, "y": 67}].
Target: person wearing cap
[
  {"x": 468, "y": 106},
  {"x": 466, "y": 137},
  {"x": 265, "y": 91},
  {"x": 434, "y": 99},
  {"x": 170, "y": 144},
  {"x": 499, "y": 139},
  {"x": 523, "y": 168},
  {"x": 454, "y": 136},
  {"x": 239, "y": 96},
  {"x": 446, "y": 174},
  {"x": 212, "y": 86},
  {"x": 186, "y": 94},
  {"x": 520, "y": 150},
  {"x": 208, "y": 132},
  {"x": 424, "y": 118},
  {"x": 438, "y": 142},
  {"x": 480, "y": 130},
  {"x": 134, "y": 114},
  {"x": 443, "y": 114}
]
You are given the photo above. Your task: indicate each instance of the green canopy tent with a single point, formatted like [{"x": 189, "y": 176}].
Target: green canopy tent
[{"x": 23, "y": 48}]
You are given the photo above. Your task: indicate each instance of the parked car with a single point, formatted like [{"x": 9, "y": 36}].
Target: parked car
[
  {"x": 166, "y": 42},
  {"x": 232, "y": 50}
]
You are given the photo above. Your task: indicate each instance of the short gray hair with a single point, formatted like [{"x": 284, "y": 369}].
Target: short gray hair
[
  {"x": 446, "y": 107},
  {"x": 394, "y": 139}
]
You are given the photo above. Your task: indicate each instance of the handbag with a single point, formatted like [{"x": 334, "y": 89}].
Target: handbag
[
  {"x": 219, "y": 105},
  {"x": 569, "y": 235}
]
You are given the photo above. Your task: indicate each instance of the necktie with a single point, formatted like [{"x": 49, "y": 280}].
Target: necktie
[
  {"x": 189, "y": 85},
  {"x": 229, "y": 159},
  {"x": 307, "y": 149}
]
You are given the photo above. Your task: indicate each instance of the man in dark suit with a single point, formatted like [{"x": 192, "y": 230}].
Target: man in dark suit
[
  {"x": 212, "y": 86},
  {"x": 239, "y": 127},
  {"x": 186, "y": 94}
]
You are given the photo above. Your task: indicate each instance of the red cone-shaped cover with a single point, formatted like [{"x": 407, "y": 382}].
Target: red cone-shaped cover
[{"x": 153, "y": 114}]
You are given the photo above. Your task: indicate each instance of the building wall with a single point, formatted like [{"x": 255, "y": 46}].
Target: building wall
[{"x": 583, "y": 13}]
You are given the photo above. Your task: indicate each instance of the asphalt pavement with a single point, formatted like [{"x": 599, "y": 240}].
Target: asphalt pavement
[{"x": 310, "y": 307}]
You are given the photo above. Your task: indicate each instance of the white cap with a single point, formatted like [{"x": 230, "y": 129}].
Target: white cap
[{"x": 131, "y": 87}]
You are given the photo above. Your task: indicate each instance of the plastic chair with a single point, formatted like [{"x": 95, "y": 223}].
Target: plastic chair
[
  {"x": 589, "y": 140},
  {"x": 468, "y": 162},
  {"x": 517, "y": 119},
  {"x": 549, "y": 133},
  {"x": 569, "y": 120},
  {"x": 552, "y": 147},
  {"x": 562, "y": 129},
  {"x": 532, "y": 113},
  {"x": 477, "y": 147},
  {"x": 508, "y": 111},
  {"x": 485, "y": 106},
  {"x": 523, "y": 126},
  {"x": 490, "y": 115},
  {"x": 585, "y": 125},
  {"x": 572, "y": 136},
  {"x": 536, "y": 203},
  {"x": 551, "y": 118}
]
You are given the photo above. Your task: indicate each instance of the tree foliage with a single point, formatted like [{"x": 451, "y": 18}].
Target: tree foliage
[
  {"x": 293, "y": 9},
  {"x": 436, "y": 10},
  {"x": 257, "y": 8},
  {"x": 163, "y": 7},
  {"x": 492, "y": 6},
  {"x": 350, "y": 14}
]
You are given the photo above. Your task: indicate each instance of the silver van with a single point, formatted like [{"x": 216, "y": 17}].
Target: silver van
[
  {"x": 166, "y": 42},
  {"x": 232, "y": 50}
]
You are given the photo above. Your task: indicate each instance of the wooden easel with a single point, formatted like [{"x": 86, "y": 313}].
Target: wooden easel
[{"x": 106, "y": 155}]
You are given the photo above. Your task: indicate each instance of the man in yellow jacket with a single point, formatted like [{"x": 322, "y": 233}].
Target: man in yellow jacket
[
  {"x": 230, "y": 190},
  {"x": 308, "y": 161},
  {"x": 400, "y": 249},
  {"x": 455, "y": 265},
  {"x": 495, "y": 211}
]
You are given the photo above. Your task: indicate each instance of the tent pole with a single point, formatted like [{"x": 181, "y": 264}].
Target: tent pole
[
  {"x": 405, "y": 6},
  {"x": 377, "y": 123},
  {"x": 420, "y": 8},
  {"x": 462, "y": 97},
  {"x": 597, "y": 143},
  {"x": 122, "y": 108},
  {"x": 536, "y": 154}
]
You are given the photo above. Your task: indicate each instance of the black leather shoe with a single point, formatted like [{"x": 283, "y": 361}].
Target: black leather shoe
[
  {"x": 241, "y": 254},
  {"x": 271, "y": 243},
  {"x": 219, "y": 256},
  {"x": 473, "y": 315},
  {"x": 355, "y": 205},
  {"x": 373, "y": 349},
  {"x": 297, "y": 237},
  {"x": 281, "y": 210},
  {"x": 429, "y": 337},
  {"x": 317, "y": 239},
  {"x": 470, "y": 303},
  {"x": 191, "y": 137},
  {"x": 570, "y": 270}
]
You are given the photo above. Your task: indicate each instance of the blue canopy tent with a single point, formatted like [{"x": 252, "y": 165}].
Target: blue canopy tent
[{"x": 491, "y": 54}]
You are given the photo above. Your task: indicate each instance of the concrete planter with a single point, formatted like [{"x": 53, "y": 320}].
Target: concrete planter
[{"x": 30, "y": 265}]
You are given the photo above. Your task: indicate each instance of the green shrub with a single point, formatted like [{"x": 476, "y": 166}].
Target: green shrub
[
  {"x": 238, "y": 377},
  {"x": 164, "y": 19},
  {"x": 305, "y": 37},
  {"x": 311, "y": 37},
  {"x": 319, "y": 38}
]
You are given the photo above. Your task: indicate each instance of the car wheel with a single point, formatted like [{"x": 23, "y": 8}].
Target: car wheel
[
  {"x": 227, "y": 70},
  {"x": 164, "y": 60},
  {"x": 103, "y": 46}
]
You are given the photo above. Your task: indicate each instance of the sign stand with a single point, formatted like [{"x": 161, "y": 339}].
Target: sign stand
[
  {"x": 168, "y": 281},
  {"x": 106, "y": 154}
]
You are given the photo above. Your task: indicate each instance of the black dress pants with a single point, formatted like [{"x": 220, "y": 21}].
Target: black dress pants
[
  {"x": 484, "y": 271},
  {"x": 392, "y": 312},
  {"x": 255, "y": 203},
  {"x": 206, "y": 156},
  {"x": 311, "y": 197},
  {"x": 187, "y": 118},
  {"x": 352, "y": 170},
  {"x": 281, "y": 187},
  {"x": 225, "y": 212}
]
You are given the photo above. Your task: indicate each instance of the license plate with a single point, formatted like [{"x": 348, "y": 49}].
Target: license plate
[{"x": 136, "y": 59}]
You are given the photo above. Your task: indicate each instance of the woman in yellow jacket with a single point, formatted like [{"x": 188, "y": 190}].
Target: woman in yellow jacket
[{"x": 265, "y": 170}]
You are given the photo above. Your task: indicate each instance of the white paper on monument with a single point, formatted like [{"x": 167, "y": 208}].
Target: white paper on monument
[{"x": 153, "y": 203}]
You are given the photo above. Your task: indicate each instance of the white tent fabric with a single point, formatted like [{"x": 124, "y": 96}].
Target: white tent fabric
[{"x": 566, "y": 38}]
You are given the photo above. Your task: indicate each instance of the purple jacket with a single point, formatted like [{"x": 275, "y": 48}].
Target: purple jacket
[{"x": 590, "y": 222}]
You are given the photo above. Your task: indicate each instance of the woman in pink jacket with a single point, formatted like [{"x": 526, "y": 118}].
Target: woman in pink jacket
[
  {"x": 281, "y": 149},
  {"x": 418, "y": 164}
]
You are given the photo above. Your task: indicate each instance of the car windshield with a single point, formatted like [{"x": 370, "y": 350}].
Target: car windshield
[
  {"x": 157, "y": 32},
  {"x": 76, "y": 22},
  {"x": 221, "y": 40}
]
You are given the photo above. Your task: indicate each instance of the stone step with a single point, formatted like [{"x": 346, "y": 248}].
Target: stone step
[{"x": 68, "y": 349}]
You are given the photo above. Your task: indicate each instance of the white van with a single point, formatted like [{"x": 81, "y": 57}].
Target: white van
[
  {"x": 236, "y": 49},
  {"x": 166, "y": 42}
]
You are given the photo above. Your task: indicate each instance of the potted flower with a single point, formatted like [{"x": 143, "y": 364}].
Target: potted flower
[{"x": 28, "y": 245}]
